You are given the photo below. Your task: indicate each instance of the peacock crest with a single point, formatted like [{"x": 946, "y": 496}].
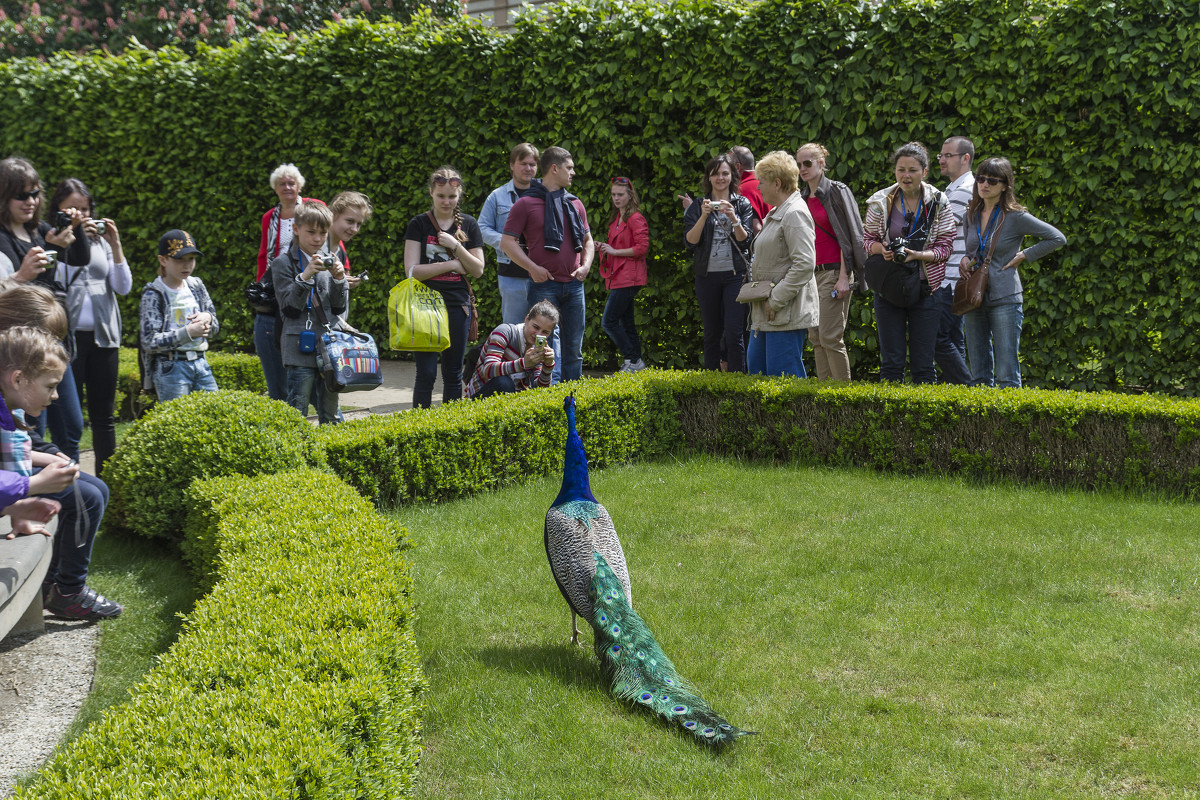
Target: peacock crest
[{"x": 589, "y": 567}]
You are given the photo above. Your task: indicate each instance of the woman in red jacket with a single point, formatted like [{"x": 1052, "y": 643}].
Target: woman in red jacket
[
  {"x": 623, "y": 266},
  {"x": 286, "y": 182}
]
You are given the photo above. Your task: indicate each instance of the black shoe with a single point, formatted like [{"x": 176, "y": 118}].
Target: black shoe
[{"x": 87, "y": 603}]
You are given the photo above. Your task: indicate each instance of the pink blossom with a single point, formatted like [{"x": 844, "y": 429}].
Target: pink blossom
[
  {"x": 203, "y": 30},
  {"x": 255, "y": 13},
  {"x": 284, "y": 27},
  {"x": 111, "y": 23},
  {"x": 19, "y": 28},
  {"x": 272, "y": 20},
  {"x": 366, "y": 4},
  {"x": 35, "y": 10},
  {"x": 108, "y": 9},
  {"x": 76, "y": 24},
  {"x": 38, "y": 39},
  {"x": 388, "y": 3},
  {"x": 337, "y": 17},
  {"x": 230, "y": 25},
  {"x": 58, "y": 37},
  {"x": 162, "y": 12},
  {"x": 189, "y": 16},
  {"x": 3, "y": 16},
  {"x": 231, "y": 5}
]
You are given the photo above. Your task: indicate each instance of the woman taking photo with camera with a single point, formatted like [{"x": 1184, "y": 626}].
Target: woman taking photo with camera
[
  {"x": 95, "y": 319},
  {"x": 840, "y": 258},
  {"x": 717, "y": 232},
  {"x": 996, "y": 227},
  {"x": 442, "y": 247},
  {"x": 909, "y": 223}
]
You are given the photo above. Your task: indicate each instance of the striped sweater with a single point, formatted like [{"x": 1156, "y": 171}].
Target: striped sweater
[
  {"x": 504, "y": 355},
  {"x": 941, "y": 230}
]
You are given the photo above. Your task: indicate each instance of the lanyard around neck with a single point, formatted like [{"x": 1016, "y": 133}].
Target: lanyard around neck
[
  {"x": 983, "y": 235},
  {"x": 916, "y": 219}
]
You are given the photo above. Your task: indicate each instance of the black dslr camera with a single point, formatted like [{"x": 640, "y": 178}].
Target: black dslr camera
[{"x": 898, "y": 246}]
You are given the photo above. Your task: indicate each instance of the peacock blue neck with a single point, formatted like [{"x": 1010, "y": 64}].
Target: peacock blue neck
[{"x": 575, "y": 485}]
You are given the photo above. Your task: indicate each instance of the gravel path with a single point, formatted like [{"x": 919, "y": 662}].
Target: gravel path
[{"x": 43, "y": 682}]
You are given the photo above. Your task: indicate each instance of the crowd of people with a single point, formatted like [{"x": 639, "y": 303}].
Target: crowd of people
[{"x": 778, "y": 251}]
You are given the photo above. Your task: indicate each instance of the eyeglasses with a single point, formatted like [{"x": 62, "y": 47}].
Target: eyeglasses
[
  {"x": 944, "y": 156},
  {"x": 442, "y": 180},
  {"x": 621, "y": 181},
  {"x": 23, "y": 196},
  {"x": 806, "y": 163},
  {"x": 990, "y": 181}
]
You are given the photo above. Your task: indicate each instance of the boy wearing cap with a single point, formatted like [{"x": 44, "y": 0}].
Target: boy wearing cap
[{"x": 177, "y": 317}]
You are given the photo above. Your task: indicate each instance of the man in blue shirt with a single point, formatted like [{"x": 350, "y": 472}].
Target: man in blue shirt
[{"x": 513, "y": 281}]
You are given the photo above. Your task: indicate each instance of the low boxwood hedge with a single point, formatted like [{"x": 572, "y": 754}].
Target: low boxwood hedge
[
  {"x": 297, "y": 676},
  {"x": 231, "y": 370},
  {"x": 1056, "y": 438},
  {"x": 202, "y": 435}
]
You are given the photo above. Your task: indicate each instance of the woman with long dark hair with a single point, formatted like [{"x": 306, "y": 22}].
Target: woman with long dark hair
[
  {"x": 443, "y": 248},
  {"x": 95, "y": 319},
  {"x": 623, "y": 267},
  {"x": 718, "y": 232},
  {"x": 996, "y": 227}
]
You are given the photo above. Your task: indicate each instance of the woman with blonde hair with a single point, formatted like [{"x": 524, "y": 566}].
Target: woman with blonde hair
[
  {"x": 623, "y": 267},
  {"x": 840, "y": 258},
  {"x": 784, "y": 255},
  {"x": 442, "y": 248}
]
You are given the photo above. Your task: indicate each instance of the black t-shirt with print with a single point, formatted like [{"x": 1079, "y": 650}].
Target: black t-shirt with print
[{"x": 452, "y": 285}]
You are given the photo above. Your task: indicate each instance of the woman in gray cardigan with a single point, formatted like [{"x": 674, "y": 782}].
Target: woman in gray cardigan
[
  {"x": 996, "y": 227},
  {"x": 95, "y": 319}
]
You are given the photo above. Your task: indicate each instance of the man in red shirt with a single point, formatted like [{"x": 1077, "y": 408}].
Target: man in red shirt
[
  {"x": 557, "y": 254},
  {"x": 749, "y": 187}
]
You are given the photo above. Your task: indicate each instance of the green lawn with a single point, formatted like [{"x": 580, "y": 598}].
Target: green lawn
[{"x": 884, "y": 640}]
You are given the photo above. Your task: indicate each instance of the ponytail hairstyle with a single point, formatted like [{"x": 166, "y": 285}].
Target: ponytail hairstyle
[{"x": 442, "y": 176}]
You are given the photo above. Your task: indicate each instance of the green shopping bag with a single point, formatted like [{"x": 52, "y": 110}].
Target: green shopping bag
[{"x": 417, "y": 319}]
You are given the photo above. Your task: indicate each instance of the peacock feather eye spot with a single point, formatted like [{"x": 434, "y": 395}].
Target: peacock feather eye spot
[
  {"x": 616, "y": 629},
  {"x": 709, "y": 732},
  {"x": 641, "y": 654},
  {"x": 668, "y": 682},
  {"x": 690, "y": 725},
  {"x": 664, "y": 697},
  {"x": 603, "y": 619},
  {"x": 616, "y": 648},
  {"x": 646, "y": 697},
  {"x": 679, "y": 709},
  {"x": 726, "y": 728}
]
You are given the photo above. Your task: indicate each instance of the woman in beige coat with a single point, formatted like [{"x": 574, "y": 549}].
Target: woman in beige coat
[{"x": 785, "y": 254}]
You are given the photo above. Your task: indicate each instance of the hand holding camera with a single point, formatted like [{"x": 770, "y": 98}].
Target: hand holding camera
[{"x": 897, "y": 250}]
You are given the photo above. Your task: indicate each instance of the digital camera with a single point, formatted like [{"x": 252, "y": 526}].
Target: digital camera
[
  {"x": 61, "y": 221},
  {"x": 101, "y": 226},
  {"x": 898, "y": 246}
]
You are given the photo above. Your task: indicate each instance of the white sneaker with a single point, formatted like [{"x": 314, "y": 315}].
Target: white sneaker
[
  {"x": 624, "y": 367},
  {"x": 635, "y": 366}
]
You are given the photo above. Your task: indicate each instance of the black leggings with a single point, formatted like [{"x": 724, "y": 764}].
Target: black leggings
[
  {"x": 451, "y": 358},
  {"x": 95, "y": 369}
]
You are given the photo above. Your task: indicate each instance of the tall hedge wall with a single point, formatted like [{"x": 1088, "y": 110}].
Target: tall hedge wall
[{"x": 1096, "y": 104}]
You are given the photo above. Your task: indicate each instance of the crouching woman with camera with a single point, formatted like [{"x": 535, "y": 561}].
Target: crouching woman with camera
[
  {"x": 442, "y": 247},
  {"x": 908, "y": 235}
]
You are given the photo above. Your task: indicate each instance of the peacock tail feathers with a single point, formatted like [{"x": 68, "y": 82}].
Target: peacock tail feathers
[{"x": 638, "y": 668}]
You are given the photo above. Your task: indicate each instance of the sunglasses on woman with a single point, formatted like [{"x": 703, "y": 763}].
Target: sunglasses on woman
[
  {"x": 990, "y": 181},
  {"x": 621, "y": 182},
  {"x": 442, "y": 180},
  {"x": 807, "y": 163},
  {"x": 23, "y": 196}
]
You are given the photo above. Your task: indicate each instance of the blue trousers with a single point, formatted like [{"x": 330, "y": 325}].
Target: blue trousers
[
  {"x": 907, "y": 332},
  {"x": 270, "y": 357},
  {"x": 950, "y": 351},
  {"x": 72, "y": 550},
  {"x": 776, "y": 353},
  {"x": 514, "y": 298},
  {"x": 618, "y": 322},
  {"x": 567, "y": 339}
]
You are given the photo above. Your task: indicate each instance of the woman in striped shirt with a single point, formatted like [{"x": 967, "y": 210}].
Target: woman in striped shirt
[{"x": 917, "y": 212}]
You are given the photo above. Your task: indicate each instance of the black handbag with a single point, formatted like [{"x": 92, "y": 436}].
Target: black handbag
[
  {"x": 900, "y": 284},
  {"x": 261, "y": 297}
]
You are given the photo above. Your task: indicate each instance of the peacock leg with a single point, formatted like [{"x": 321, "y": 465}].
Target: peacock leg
[{"x": 574, "y": 630}]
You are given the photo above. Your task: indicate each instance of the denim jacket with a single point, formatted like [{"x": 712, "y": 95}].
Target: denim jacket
[{"x": 491, "y": 224}]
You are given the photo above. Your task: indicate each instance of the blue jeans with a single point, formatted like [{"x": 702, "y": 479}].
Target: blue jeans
[
  {"x": 269, "y": 356},
  {"x": 514, "y": 298},
  {"x": 451, "y": 358},
  {"x": 950, "y": 351},
  {"x": 70, "y": 557},
  {"x": 501, "y": 384},
  {"x": 567, "y": 339},
  {"x": 907, "y": 332},
  {"x": 994, "y": 345},
  {"x": 176, "y": 377},
  {"x": 724, "y": 320},
  {"x": 303, "y": 384},
  {"x": 618, "y": 322},
  {"x": 64, "y": 417},
  {"x": 776, "y": 353}
]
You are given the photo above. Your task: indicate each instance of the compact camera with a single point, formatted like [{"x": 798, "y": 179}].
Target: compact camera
[
  {"x": 61, "y": 221},
  {"x": 898, "y": 246},
  {"x": 327, "y": 261},
  {"x": 49, "y": 257},
  {"x": 539, "y": 340},
  {"x": 101, "y": 226}
]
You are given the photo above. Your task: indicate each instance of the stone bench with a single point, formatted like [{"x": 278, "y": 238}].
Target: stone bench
[{"x": 23, "y": 563}]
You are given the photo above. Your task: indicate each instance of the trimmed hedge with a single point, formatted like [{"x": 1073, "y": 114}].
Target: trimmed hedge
[
  {"x": 201, "y": 435},
  {"x": 1097, "y": 104},
  {"x": 297, "y": 676},
  {"x": 1069, "y": 439},
  {"x": 231, "y": 370}
]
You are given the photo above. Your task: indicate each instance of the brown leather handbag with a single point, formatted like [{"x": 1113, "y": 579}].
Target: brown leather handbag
[{"x": 971, "y": 289}]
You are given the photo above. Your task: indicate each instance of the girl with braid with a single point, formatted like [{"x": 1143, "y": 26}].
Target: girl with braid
[{"x": 442, "y": 247}]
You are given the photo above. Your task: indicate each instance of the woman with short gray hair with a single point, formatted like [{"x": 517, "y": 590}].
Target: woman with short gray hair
[{"x": 287, "y": 183}]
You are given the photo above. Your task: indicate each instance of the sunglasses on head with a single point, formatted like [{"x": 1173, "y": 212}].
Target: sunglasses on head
[
  {"x": 621, "y": 181},
  {"x": 989, "y": 180},
  {"x": 442, "y": 180},
  {"x": 23, "y": 196}
]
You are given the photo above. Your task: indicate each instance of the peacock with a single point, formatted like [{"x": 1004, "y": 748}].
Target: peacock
[{"x": 589, "y": 567}]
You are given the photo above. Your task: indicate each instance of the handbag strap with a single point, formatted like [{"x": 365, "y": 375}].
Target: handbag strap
[
  {"x": 987, "y": 262},
  {"x": 314, "y": 302}
]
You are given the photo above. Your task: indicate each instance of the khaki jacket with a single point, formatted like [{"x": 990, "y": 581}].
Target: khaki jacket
[{"x": 785, "y": 254}]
